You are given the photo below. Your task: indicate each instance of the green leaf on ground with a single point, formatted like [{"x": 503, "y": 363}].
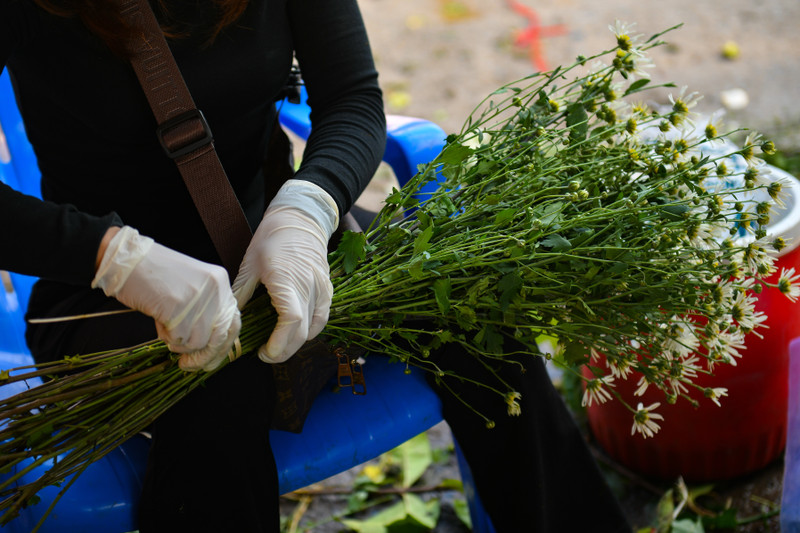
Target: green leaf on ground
[
  {"x": 687, "y": 525},
  {"x": 725, "y": 520},
  {"x": 415, "y": 456},
  {"x": 664, "y": 511},
  {"x": 462, "y": 512},
  {"x": 452, "y": 484},
  {"x": 411, "y": 515},
  {"x": 425, "y": 513}
]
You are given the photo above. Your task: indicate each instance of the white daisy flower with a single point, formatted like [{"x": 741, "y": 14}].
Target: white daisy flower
[
  {"x": 620, "y": 369},
  {"x": 626, "y": 39},
  {"x": 513, "y": 406},
  {"x": 595, "y": 391},
  {"x": 758, "y": 261},
  {"x": 726, "y": 345},
  {"x": 644, "y": 420},
  {"x": 682, "y": 339},
  {"x": 681, "y": 107},
  {"x": 787, "y": 283},
  {"x": 743, "y": 312},
  {"x": 715, "y": 394},
  {"x": 641, "y": 386}
]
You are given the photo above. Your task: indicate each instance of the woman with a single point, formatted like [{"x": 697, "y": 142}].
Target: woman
[{"x": 118, "y": 229}]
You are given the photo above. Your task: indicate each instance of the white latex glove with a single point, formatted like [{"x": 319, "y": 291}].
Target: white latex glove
[
  {"x": 289, "y": 255},
  {"x": 191, "y": 301}
]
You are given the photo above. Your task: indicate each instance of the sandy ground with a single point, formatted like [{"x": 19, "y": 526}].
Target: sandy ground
[{"x": 438, "y": 58}]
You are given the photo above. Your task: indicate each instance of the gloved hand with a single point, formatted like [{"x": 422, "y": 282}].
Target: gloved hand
[
  {"x": 191, "y": 301},
  {"x": 289, "y": 255}
]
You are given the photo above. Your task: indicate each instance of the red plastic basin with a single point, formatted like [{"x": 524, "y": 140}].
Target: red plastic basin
[{"x": 714, "y": 443}]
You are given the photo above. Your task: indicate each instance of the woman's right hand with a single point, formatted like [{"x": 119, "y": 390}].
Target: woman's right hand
[{"x": 191, "y": 301}]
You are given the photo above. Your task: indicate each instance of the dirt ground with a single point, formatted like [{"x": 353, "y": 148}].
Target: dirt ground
[{"x": 438, "y": 58}]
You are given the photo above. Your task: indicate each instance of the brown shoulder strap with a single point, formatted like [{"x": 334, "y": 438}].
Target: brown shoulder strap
[{"x": 185, "y": 136}]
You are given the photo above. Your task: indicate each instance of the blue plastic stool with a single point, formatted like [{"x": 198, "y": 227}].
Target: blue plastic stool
[
  {"x": 397, "y": 408},
  {"x": 790, "y": 498}
]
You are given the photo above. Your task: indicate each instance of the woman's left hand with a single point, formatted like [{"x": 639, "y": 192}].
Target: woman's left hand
[{"x": 289, "y": 255}]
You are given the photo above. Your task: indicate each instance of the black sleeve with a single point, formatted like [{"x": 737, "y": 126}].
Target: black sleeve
[
  {"x": 348, "y": 133},
  {"x": 41, "y": 238},
  {"x": 48, "y": 240}
]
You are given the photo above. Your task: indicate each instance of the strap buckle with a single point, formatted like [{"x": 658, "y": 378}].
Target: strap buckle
[{"x": 189, "y": 146}]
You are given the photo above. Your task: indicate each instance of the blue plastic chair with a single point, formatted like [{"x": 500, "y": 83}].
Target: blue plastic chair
[{"x": 397, "y": 408}]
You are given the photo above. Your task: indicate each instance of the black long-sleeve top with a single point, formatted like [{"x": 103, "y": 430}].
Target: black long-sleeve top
[{"x": 94, "y": 134}]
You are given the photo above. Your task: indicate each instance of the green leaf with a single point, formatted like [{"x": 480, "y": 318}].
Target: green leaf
[
  {"x": 39, "y": 436},
  {"x": 397, "y": 236},
  {"x": 452, "y": 484},
  {"x": 442, "y": 290},
  {"x": 687, "y": 526},
  {"x": 367, "y": 526},
  {"x": 581, "y": 236},
  {"x": 504, "y": 216},
  {"x": 592, "y": 272},
  {"x": 454, "y": 153},
  {"x": 557, "y": 243},
  {"x": 465, "y": 316},
  {"x": 575, "y": 353},
  {"x": 549, "y": 214},
  {"x": 415, "y": 457},
  {"x": 380, "y": 522},
  {"x": 490, "y": 339},
  {"x": 395, "y": 198},
  {"x": 391, "y": 277},
  {"x": 510, "y": 286},
  {"x": 357, "y": 501},
  {"x": 664, "y": 511},
  {"x": 442, "y": 207},
  {"x": 32, "y": 500},
  {"x": 421, "y": 243},
  {"x": 636, "y": 86},
  {"x": 701, "y": 490},
  {"x": 724, "y": 520},
  {"x": 426, "y": 514},
  {"x": 674, "y": 212},
  {"x": 462, "y": 512},
  {"x": 353, "y": 247},
  {"x": 418, "y": 267},
  {"x": 424, "y": 219},
  {"x": 577, "y": 121},
  {"x": 411, "y": 515},
  {"x": 618, "y": 268}
]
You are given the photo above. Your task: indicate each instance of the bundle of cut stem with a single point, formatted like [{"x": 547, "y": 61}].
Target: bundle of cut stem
[{"x": 562, "y": 211}]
